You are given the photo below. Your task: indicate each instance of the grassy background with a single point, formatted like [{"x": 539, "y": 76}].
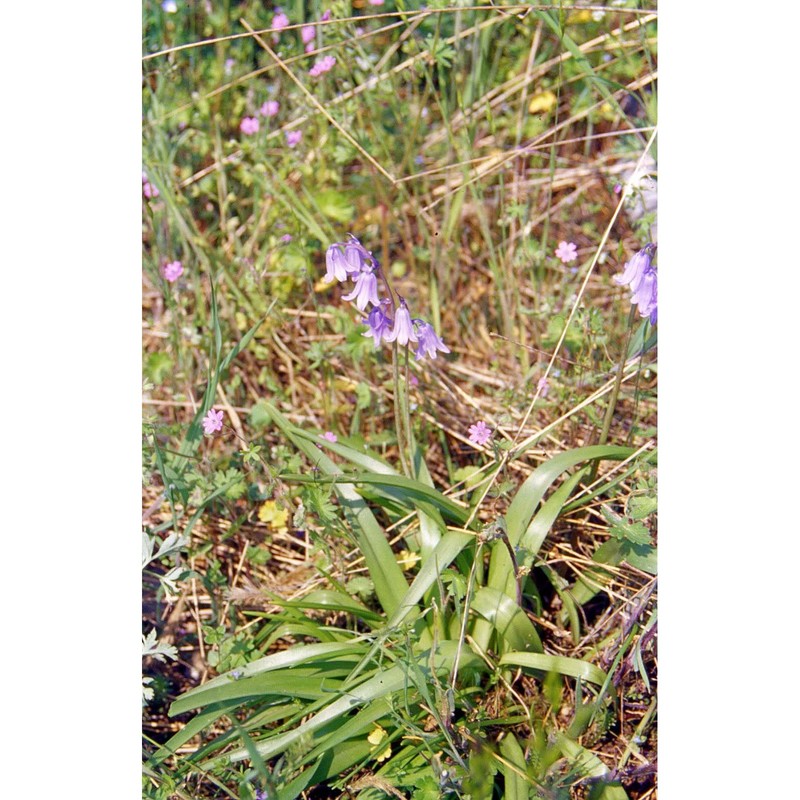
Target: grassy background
[
  {"x": 720, "y": 212},
  {"x": 461, "y": 145}
]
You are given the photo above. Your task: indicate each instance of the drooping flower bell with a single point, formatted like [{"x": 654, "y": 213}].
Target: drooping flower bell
[
  {"x": 343, "y": 259},
  {"x": 379, "y": 324},
  {"x": 642, "y": 278},
  {"x": 403, "y": 329},
  {"x": 366, "y": 288},
  {"x": 429, "y": 342}
]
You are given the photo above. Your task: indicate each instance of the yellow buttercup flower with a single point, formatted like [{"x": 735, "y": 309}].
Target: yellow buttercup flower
[
  {"x": 274, "y": 517},
  {"x": 377, "y": 737}
]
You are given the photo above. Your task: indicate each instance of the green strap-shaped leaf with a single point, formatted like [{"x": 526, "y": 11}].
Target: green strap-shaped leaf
[
  {"x": 382, "y": 684},
  {"x": 451, "y": 544},
  {"x": 521, "y": 510},
  {"x": 516, "y": 786},
  {"x": 431, "y": 523},
  {"x": 386, "y": 575},
  {"x": 573, "y": 667},
  {"x": 589, "y": 765},
  {"x": 192, "y": 728},
  {"x": 407, "y": 491},
  {"x": 501, "y": 570},
  {"x": 334, "y": 762},
  {"x": 335, "y": 601},
  {"x": 308, "y": 684},
  {"x": 508, "y": 618},
  {"x": 292, "y": 657},
  {"x": 530, "y": 494}
]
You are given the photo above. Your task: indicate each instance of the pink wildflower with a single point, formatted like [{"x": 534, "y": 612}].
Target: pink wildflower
[
  {"x": 310, "y": 47},
  {"x": 543, "y": 386},
  {"x": 280, "y": 21},
  {"x": 330, "y": 436},
  {"x": 269, "y": 109},
  {"x": 148, "y": 189},
  {"x": 212, "y": 422},
  {"x": 326, "y": 16},
  {"x": 376, "y": 2},
  {"x": 249, "y": 125},
  {"x": 293, "y": 138},
  {"x": 566, "y": 251},
  {"x": 172, "y": 271},
  {"x": 480, "y": 433},
  {"x": 286, "y": 238},
  {"x": 324, "y": 64},
  {"x": 307, "y": 33}
]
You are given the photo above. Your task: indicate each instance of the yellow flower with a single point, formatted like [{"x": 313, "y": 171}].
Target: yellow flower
[
  {"x": 376, "y": 738},
  {"x": 406, "y": 559},
  {"x": 275, "y": 517},
  {"x": 544, "y": 101},
  {"x": 579, "y": 17}
]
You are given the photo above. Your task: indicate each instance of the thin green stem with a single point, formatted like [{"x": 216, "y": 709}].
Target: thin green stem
[
  {"x": 612, "y": 400},
  {"x": 398, "y": 410}
]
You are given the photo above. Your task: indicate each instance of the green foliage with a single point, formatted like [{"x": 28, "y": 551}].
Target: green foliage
[
  {"x": 428, "y": 651},
  {"x": 342, "y": 685},
  {"x": 158, "y": 366},
  {"x": 626, "y": 529}
]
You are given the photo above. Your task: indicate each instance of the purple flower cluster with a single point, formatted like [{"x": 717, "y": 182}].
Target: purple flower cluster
[
  {"x": 270, "y": 108},
  {"x": 279, "y": 20},
  {"x": 148, "y": 189},
  {"x": 642, "y": 278},
  {"x": 386, "y": 321},
  {"x": 248, "y": 126},
  {"x": 324, "y": 64}
]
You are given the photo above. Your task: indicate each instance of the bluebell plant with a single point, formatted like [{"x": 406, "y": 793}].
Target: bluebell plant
[
  {"x": 642, "y": 278},
  {"x": 389, "y": 320}
]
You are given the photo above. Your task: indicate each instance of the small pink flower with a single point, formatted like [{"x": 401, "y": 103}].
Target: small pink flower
[
  {"x": 248, "y": 126},
  {"x": 326, "y": 16},
  {"x": 310, "y": 47},
  {"x": 330, "y": 436},
  {"x": 543, "y": 386},
  {"x": 376, "y": 2},
  {"x": 480, "y": 433},
  {"x": 269, "y": 109},
  {"x": 307, "y": 33},
  {"x": 566, "y": 251},
  {"x": 324, "y": 64},
  {"x": 617, "y": 188},
  {"x": 286, "y": 238},
  {"x": 212, "y": 422},
  {"x": 280, "y": 21},
  {"x": 148, "y": 189},
  {"x": 293, "y": 138},
  {"x": 172, "y": 271}
]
